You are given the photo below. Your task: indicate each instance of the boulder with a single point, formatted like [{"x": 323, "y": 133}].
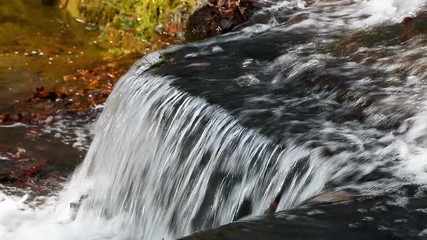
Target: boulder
[{"x": 218, "y": 17}]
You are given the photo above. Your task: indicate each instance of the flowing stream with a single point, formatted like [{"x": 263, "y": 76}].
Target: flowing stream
[{"x": 327, "y": 96}]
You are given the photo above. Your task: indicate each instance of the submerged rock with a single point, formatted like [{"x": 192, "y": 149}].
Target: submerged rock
[
  {"x": 17, "y": 166},
  {"x": 81, "y": 92}
]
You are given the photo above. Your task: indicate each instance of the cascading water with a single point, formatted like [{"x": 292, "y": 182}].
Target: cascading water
[
  {"x": 179, "y": 156},
  {"x": 193, "y": 132}
]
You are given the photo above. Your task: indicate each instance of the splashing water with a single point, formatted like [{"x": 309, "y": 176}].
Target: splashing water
[{"x": 356, "y": 14}]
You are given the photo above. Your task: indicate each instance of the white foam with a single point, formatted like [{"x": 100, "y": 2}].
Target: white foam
[
  {"x": 357, "y": 14},
  {"x": 28, "y": 220},
  {"x": 74, "y": 132},
  {"x": 412, "y": 148},
  {"x": 381, "y": 11}
]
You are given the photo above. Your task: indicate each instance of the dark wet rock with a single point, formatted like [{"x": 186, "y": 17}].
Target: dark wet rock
[
  {"x": 218, "y": 17},
  {"x": 399, "y": 33},
  {"x": 413, "y": 26},
  {"x": 244, "y": 210},
  {"x": 330, "y": 78},
  {"x": 372, "y": 218},
  {"x": 22, "y": 170}
]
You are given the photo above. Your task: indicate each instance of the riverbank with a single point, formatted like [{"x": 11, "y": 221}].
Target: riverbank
[
  {"x": 54, "y": 75},
  {"x": 134, "y": 26}
]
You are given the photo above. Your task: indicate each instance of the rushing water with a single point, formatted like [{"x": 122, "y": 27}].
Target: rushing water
[{"x": 328, "y": 96}]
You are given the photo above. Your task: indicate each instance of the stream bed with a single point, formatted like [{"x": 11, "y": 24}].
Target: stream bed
[
  {"x": 309, "y": 126},
  {"x": 51, "y": 68}
]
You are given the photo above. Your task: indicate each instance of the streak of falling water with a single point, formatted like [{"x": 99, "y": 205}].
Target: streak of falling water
[{"x": 164, "y": 164}]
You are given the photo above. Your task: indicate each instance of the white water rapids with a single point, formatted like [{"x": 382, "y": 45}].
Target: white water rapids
[{"x": 164, "y": 163}]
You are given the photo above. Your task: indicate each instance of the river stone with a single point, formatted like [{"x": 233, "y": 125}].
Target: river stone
[{"x": 218, "y": 17}]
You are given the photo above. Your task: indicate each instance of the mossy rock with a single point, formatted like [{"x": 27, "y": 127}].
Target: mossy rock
[
  {"x": 218, "y": 17},
  {"x": 135, "y": 25}
]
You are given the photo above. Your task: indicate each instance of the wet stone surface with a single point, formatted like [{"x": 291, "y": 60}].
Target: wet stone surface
[
  {"x": 265, "y": 86},
  {"x": 31, "y": 164},
  {"x": 359, "y": 218},
  {"x": 218, "y": 17}
]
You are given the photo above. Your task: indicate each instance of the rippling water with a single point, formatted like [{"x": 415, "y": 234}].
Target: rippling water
[{"x": 328, "y": 98}]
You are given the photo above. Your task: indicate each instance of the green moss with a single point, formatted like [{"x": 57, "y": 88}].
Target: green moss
[
  {"x": 150, "y": 23},
  {"x": 97, "y": 12},
  {"x": 149, "y": 18}
]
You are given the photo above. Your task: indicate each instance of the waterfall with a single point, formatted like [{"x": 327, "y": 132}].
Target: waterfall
[
  {"x": 316, "y": 100},
  {"x": 164, "y": 163}
]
